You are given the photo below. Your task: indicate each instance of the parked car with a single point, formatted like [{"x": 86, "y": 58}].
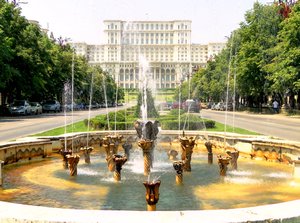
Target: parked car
[
  {"x": 191, "y": 105},
  {"x": 220, "y": 106},
  {"x": 20, "y": 107},
  {"x": 36, "y": 108},
  {"x": 51, "y": 105}
]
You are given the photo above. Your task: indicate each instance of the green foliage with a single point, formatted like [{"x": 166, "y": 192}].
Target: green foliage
[
  {"x": 284, "y": 68},
  {"x": 261, "y": 59},
  {"x": 151, "y": 110},
  {"x": 175, "y": 112},
  {"x": 187, "y": 122},
  {"x": 120, "y": 120},
  {"x": 36, "y": 67}
]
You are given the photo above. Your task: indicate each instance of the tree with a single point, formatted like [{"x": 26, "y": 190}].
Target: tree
[
  {"x": 284, "y": 68},
  {"x": 151, "y": 110},
  {"x": 257, "y": 35}
]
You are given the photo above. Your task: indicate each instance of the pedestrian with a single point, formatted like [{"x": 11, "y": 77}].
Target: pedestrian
[{"x": 275, "y": 106}]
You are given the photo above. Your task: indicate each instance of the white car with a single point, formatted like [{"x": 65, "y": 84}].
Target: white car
[
  {"x": 52, "y": 105},
  {"x": 36, "y": 108},
  {"x": 20, "y": 107}
]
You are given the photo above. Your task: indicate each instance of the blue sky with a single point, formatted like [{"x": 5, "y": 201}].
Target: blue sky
[{"x": 82, "y": 20}]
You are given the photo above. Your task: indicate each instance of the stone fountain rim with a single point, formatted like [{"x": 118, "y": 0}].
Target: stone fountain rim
[{"x": 11, "y": 212}]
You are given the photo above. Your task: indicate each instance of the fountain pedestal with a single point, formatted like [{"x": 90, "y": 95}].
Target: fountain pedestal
[
  {"x": 73, "y": 161},
  {"x": 234, "y": 157},
  {"x": 119, "y": 162},
  {"x": 152, "y": 194},
  {"x": 86, "y": 153},
  {"x": 208, "y": 146},
  {"x": 147, "y": 146},
  {"x": 110, "y": 144},
  {"x": 223, "y": 162},
  {"x": 172, "y": 154},
  {"x": 187, "y": 145},
  {"x": 64, "y": 154},
  {"x": 178, "y": 166}
]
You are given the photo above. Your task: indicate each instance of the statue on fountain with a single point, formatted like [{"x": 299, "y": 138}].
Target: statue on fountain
[
  {"x": 208, "y": 146},
  {"x": 86, "y": 152},
  {"x": 119, "y": 161},
  {"x": 187, "y": 145},
  {"x": 234, "y": 157},
  {"x": 147, "y": 132},
  {"x": 110, "y": 144},
  {"x": 172, "y": 154},
  {"x": 73, "y": 160},
  {"x": 147, "y": 146},
  {"x": 223, "y": 162},
  {"x": 64, "y": 153},
  {"x": 152, "y": 194},
  {"x": 178, "y": 166}
]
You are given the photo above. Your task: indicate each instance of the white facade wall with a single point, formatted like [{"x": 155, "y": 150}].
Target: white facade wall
[{"x": 165, "y": 45}]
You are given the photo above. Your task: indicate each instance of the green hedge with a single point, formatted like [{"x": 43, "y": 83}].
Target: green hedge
[
  {"x": 188, "y": 125},
  {"x": 125, "y": 120}
]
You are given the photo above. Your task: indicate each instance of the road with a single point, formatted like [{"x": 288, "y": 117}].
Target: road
[
  {"x": 273, "y": 125},
  {"x": 276, "y": 125},
  {"x": 20, "y": 126}
]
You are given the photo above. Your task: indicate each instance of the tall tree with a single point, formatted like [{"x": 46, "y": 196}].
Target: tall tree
[
  {"x": 257, "y": 34},
  {"x": 284, "y": 68}
]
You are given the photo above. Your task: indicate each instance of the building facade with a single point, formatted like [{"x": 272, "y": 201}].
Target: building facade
[{"x": 161, "y": 50}]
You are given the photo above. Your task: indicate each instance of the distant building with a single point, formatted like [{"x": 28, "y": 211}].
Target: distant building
[{"x": 165, "y": 45}]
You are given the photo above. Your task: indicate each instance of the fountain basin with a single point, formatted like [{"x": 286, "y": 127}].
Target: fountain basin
[{"x": 239, "y": 214}]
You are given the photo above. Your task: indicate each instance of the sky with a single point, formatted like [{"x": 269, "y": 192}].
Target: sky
[{"x": 82, "y": 20}]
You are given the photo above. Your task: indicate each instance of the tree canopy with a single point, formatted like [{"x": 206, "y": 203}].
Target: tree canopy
[
  {"x": 261, "y": 61},
  {"x": 36, "y": 67}
]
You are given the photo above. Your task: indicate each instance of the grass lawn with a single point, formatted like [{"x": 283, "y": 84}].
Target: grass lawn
[
  {"x": 81, "y": 127},
  {"x": 219, "y": 127}
]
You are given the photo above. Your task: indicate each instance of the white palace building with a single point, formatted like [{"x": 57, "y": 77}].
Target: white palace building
[{"x": 165, "y": 45}]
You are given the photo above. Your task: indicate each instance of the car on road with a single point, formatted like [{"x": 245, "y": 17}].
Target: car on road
[
  {"x": 219, "y": 106},
  {"x": 191, "y": 105},
  {"x": 20, "y": 107},
  {"x": 36, "y": 108},
  {"x": 51, "y": 106}
]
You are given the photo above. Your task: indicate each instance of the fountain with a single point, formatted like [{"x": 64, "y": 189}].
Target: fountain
[
  {"x": 223, "y": 162},
  {"x": 172, "y": 154},
  {"x": 73, "y": 160},
  {"x": 96, "y": 183},
  {"x": 234, "y": 155},
  {"x": 119, "y": 162},
  {"x": 110, "y": 144},
  {"x": 208, "y": 146},
  {"x": 178, "y": 166},
  {"x": 187, "y": 145},
  {"x": 64, "y": 154},
  {"x": 152, "y": 194},
  {"x": 87, "y": 153}
]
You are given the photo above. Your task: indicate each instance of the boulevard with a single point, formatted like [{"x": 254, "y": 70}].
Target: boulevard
[
  {"x": 278, "y": 125},
  {"x": 14, "y": 127}
]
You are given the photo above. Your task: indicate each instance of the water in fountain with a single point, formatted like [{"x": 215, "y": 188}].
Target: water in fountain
[
  {"x": 90, "y": 108},
  {"x": 67, "y": 98},
  {"x": 144, "y": 66},
  {"x": 255, "y": 183},
  {"x": 105, "y": 98}
]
